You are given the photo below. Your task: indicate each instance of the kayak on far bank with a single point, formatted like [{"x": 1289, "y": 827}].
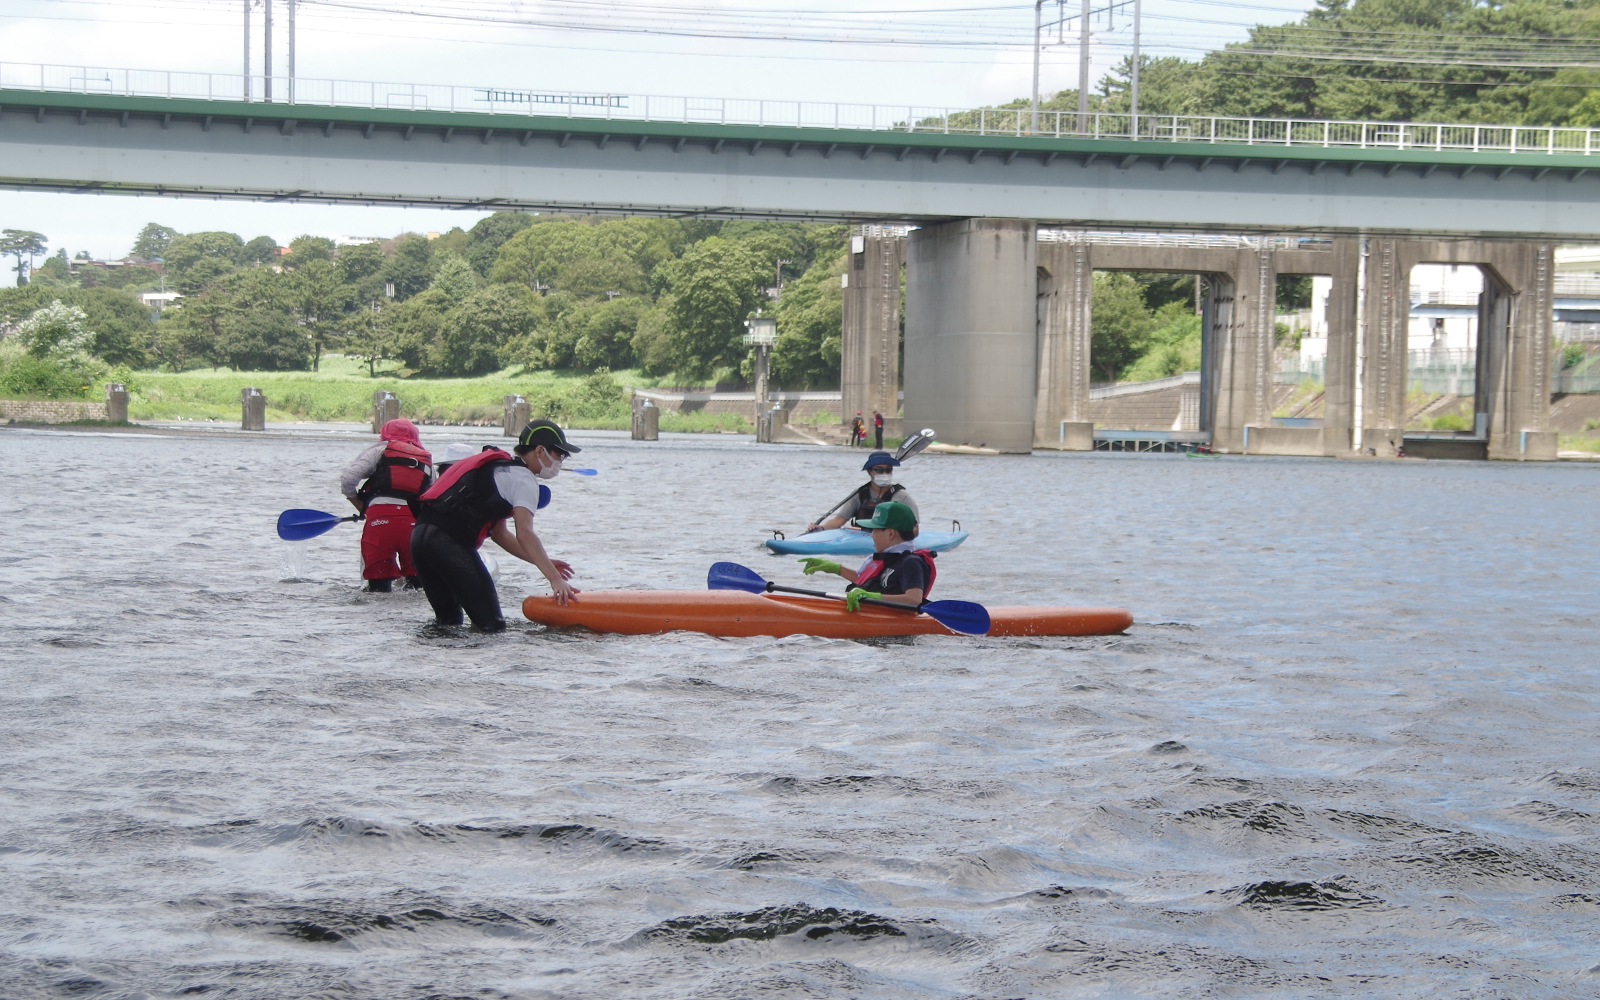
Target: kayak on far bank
[{"x": 849, "y": 542}]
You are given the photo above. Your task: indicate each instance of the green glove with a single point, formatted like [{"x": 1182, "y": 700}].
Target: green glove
[
  {"x": 814, "y": 565},
  {"x": 852, "y": 598}
]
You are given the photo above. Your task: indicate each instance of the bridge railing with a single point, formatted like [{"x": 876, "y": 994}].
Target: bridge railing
[{"x": 800, "y": 114}]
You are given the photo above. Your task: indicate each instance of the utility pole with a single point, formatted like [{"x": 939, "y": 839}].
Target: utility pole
[
  {"x": 1038, "y": 10},
  {"x": 247, "y": 50},
  {"x": 291, "y": 51},
  {"x": 1134, "y": 97},
  {"x": 266, "y": 71},
  {"x": 1083, "y": 68}
]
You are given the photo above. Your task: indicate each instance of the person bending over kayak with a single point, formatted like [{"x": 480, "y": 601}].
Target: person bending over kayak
[
  {"x": 880, "y": 466},
  {"x": 470, "y": 503},
  {"x": 381, "y": 483},
  {"x": 896, "y": 571}
]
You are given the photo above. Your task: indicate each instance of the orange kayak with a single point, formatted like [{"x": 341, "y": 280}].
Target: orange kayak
[{"x": 735, "y": 613}]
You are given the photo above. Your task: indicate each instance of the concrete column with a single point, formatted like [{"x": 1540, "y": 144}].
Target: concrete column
[
  {"x": 385, "y": 407},
  {"x": 646, "y": 420},
  {"x": 1066, "y": 292},
  {"x": 1241, "y": 362},
  {"x": 1383, "y": 347},
  {"x": 1339, "y": 376},
  {"x": 972, "y": 332},
  {"x": 116, "y": 402},
  {"x": 253, "y": 410},
  {"x": 869, "y": 347},
  {"x": 1514, "y": 374}
]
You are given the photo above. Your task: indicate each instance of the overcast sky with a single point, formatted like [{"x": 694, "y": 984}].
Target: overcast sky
[{"x": 951, "y": 53}]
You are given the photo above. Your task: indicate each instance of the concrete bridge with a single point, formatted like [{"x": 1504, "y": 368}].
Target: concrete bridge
[{"x": 85, "y": 129}]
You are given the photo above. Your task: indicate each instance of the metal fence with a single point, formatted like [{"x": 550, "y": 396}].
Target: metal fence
[{"x": 1285, "y": 133}]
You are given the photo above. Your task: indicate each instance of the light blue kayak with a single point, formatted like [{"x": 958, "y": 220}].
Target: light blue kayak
[{"x": 844, "y": 542}]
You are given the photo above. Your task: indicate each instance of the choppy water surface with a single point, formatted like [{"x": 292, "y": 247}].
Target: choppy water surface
[{"x": 1349, "y": 749}]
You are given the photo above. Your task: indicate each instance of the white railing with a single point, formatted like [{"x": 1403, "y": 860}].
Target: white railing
[
  {"x": 1114, "y": 389},
  {"x": 1268, "y": 132},
  {"x": 1577, "y": 286},
  {"x": 1194, "y": 240}
]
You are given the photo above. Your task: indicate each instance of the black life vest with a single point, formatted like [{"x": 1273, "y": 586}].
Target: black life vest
[
  {"x": 866, "y": 504},
  {"x": 402, "y": 473},
  {"x": 463, "y": 502},
  {"x": 882, "y": 562}
]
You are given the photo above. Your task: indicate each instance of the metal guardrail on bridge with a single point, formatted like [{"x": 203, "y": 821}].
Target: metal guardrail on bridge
[{"x": 1016, "y": 122}]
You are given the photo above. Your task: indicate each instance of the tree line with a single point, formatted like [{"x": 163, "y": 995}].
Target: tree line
[
  {"x": 1516, "y": 62},
  {"x": 666, "y": 296}
]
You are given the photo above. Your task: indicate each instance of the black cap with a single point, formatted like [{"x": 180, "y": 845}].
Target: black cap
[{"x": 545, "y": 432}]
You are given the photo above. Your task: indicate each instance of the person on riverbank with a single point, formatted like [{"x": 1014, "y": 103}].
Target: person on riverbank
[
  {"x": 381, "y": 483},
  {"x": 896, "y": 571},
  {"x": 879, "y": 487},
  {"x": 858, "y": 431},
  {"x": 471, "y": 502},
  {"x": 877, "y": 430}
]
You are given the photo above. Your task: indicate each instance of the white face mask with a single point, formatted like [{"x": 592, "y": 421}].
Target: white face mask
[
  {"x": 551, "y": 471},
  {"x": 882, "y": 480}
]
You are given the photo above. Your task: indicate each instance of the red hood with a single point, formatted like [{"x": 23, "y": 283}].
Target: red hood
[{"x": 401, "y": 429}]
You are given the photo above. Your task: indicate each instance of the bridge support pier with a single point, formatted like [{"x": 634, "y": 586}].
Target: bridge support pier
[
  {"x": 971, "y": 332},
  {"x": 1066, "y": 289},
  {"x": 869, "y": 347}
]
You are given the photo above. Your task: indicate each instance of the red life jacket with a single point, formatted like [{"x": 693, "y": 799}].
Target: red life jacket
[
  {"x": 463, "y": 502},
  {"x": 402, "y": 473},
  {"x": 882, "y": 561}
]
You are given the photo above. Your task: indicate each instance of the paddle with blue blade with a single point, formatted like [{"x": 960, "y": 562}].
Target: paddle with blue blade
[
  {"x": 582, "y": 472},
  {"x": 300, "y": 524},
  {"x": 957, "y": 616}
]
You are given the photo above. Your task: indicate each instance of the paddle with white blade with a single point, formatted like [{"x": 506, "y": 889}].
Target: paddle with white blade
[
  {"x": 910, "y": 446},
  {"x": 957, "y": 616},
  {"x": 299, "y": 524}
]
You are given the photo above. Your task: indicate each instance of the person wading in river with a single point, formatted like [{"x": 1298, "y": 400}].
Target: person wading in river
[
  {"x": 470, "y": 503},
  {"x": 880, "y": 466},
  {"x": 381, "y": 483},
  {"x": 896, "y": 571}
]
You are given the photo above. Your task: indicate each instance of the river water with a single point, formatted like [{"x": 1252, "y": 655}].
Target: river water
[{"x": 1347, "y": 751}]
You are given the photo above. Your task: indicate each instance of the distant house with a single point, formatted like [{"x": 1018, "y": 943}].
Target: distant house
[{"x": 160, "y": 300}]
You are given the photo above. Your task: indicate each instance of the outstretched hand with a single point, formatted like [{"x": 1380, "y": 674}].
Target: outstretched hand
[
  {"x": 812, "y": 564},
  {"x": 564, "y": 568}
]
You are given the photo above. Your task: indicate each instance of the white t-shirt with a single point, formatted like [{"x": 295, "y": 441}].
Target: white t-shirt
[{"x": 518, "y": 486}]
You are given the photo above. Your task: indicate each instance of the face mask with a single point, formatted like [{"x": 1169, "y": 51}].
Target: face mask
[
  {"x": 882, "y": 480},
  {"x": 549, "y": 472}
]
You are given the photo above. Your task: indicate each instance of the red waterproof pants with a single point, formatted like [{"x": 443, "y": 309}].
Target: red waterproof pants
[{"x": 386, "y": 538}]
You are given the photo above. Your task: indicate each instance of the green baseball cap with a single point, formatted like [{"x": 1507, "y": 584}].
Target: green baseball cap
[
  {"x": 547, "y": 433},
  {"x": 892, "y": 514}
]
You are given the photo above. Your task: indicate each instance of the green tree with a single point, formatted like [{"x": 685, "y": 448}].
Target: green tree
[
  {"x": 474, "y": 333},
  {"x": 410, "y": 268},
  {"x": 153, "y": 240},
  {"x": 318, "y": 299},
  {"x": 56, "y": 332},
  {"x": 486, "y": 238},
  {"x": 412, "y": 327},
  {"x": 122, "y": 324},
  {"x": 713, "y": 287},
  {"x": 454, "y": 277},
  {"x": 587, "y": 256},
  {"x": 306, "y": 248},
  {"x": 264, "y": 340},
  {"x": 810, "y": 318},
  {"x": 198, "y": 261},
  {"x": 1121, "y": 324},
  {"x": 261, "y": 250},
  {"x": 23, "y": 244}
]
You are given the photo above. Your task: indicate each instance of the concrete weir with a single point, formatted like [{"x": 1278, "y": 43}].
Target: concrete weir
[
  {"x": 997, "y": 337},
  {"x": 971, "y": 332}
]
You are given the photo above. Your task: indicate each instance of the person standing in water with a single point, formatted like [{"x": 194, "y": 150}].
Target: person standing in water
[
  {"x": 471, "y": 502},
  {"x": 381, "y": 483},
  {"x": 880, "y": 466}
]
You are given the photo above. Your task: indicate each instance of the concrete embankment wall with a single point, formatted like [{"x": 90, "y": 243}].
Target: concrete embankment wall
[
  {"x": 801, "y": 407},
  {"x": 52, "y": 411}
]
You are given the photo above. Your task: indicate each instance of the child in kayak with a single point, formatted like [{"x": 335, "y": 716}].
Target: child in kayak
[{"x": 897, "y": 571}]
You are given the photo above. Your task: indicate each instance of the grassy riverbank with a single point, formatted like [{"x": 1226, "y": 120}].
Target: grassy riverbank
[{"x": 343, "y": 390}]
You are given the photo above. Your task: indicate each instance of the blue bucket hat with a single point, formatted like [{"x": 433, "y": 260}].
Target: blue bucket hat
[{"x": 880, "y": 458}]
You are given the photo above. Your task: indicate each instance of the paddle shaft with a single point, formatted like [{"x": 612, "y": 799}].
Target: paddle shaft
[{"x": 839, "y": 597}]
